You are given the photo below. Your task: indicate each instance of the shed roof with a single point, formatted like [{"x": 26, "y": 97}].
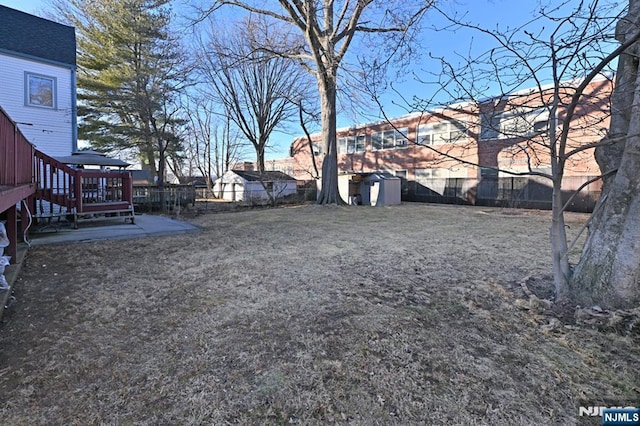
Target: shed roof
[
  {"x": 36, "y": 37},
  {"x": 197, "y": 181},
  {"x": 255, "y": 176},
  {"x": 376, "y": 177}
]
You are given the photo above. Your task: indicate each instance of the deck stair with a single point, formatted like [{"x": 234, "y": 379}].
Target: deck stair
[{"x": 40, "y": 187}]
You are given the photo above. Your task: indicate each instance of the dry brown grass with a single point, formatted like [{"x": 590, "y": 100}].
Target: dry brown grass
[{"x": 308, "y": 315}]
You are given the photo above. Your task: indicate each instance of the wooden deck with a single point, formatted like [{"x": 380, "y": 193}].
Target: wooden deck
[
  {"x": 47, "y": 187},
  {"x": 79, "y": 192},
  {"x": 11, "y": 195},
  {"x": 16, "y": 177}
]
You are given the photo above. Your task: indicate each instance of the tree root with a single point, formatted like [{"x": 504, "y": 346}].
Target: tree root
[
  {"x": 621, "y": 321},
  {"x": 536, "y": 304},
  {"x": 626, "y": 322}
]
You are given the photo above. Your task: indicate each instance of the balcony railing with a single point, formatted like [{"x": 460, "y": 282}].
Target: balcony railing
[{"x": 16, "y": 154}]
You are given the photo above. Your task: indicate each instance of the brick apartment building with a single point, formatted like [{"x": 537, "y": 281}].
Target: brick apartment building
[{"x": 472, "y": 152}]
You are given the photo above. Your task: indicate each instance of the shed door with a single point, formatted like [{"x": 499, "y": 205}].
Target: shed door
[{"x": 375, "y": 194}]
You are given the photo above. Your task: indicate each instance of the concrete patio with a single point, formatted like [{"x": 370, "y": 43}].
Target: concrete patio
[{"x": 112, "y": 228}]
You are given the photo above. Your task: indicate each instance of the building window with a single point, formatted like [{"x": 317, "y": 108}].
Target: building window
[
  {"x": 40, "y": 91},
  {"x": 389, "y": 139},
  {"x": 517, "y": 123},
  {"x": 317, "y": 149},
  {"x": 402, "y": 174},
  {"x": 489, "y": 126},
  {"x": 488, "y": 173},
  {"x": 541, "y": 126},
  {"x": 351, "y": 144},
  {"x": 441, "y": 133},
  {"x": 376, "y": 141}
]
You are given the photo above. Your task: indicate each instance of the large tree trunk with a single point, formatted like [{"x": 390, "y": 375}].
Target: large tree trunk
[
  {"x": 260, "y": 155},
  {"x": 161, "y": 173},
  {"x": 149, "y": 157},
  {"x": 329, "y": 193},
  {"x": 561, "y": 268},
  {"x": 609, "y": 269}
]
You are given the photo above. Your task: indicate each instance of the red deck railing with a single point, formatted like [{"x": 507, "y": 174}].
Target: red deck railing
[
  {"x": 16, "y": 176},
  {"x": 16, "y": 154},
  {"x": 104, "y": 190},
  {"x": 56, "y": 181}
]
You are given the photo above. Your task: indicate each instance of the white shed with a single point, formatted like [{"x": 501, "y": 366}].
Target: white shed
[
  {"x": 243, "y": 185},
  {"x": 370, "y": 188}
]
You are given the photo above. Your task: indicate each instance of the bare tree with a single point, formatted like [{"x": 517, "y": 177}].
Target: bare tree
[
  {"x": 548, "y": 126},
  {"x": 259, "y": 91},
  {"x": 329, "y": 28},
  {"x": 211, "y": 145}
]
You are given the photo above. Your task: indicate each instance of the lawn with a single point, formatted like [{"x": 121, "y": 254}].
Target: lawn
[{"x": 411, "y": 314}]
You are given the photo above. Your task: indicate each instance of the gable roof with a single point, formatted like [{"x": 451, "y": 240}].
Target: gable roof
[
  {"x": 197, "y": 181},
  {"x": 30, "y": 36},
  {"x": 254, "y": 176}
]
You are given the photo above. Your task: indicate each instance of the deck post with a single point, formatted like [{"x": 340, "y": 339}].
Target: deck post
[
  {"x": 127, "y": 187},
  {"x": 77, "y": 195}
]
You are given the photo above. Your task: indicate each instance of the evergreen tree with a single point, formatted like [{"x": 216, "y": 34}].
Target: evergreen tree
[{"x": 129, "y": 75}]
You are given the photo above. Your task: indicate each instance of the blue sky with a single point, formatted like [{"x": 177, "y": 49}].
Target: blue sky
[
  {"x": 487, "y": 13},
  {"x": 29, "y": 6}
]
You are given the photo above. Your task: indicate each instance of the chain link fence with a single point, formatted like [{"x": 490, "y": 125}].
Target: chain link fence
[
  {"x": 515, "y": 192},
  {"x": 149, "y": 198}
]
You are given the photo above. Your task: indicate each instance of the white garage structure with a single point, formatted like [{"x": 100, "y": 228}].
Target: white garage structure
[{"x": 243, "y": 185}]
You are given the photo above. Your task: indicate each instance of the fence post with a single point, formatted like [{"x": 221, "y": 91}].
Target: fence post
[
  {"x": 78, "y": 191},
  {"x": 15, "y": 157},
  {"x": 127, "y": 187}
]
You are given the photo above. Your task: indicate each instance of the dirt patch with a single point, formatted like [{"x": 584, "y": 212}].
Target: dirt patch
[
  {"x": 541, "y": 286},
  {"x": 308, "y": 315}
]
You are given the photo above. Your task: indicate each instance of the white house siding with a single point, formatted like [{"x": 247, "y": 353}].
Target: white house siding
[
  {"x": 50, "y": 130},
  {"x": 255, "y": 190},
  {"x": 232, "y": 187},
  {"x": 229, "y": 187},
  {"x": 282, "y": 189}
]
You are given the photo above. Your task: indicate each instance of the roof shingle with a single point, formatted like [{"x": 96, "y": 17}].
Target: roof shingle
[
  {"x": 266, "y": 176},
  {"x": 32, "y": 36}
]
